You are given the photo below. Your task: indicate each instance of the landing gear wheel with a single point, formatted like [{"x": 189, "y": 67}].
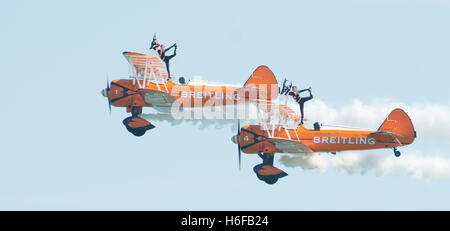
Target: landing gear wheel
[
  {"x": 267, "y": 179},
  {"x": 136, "y": 132},
  {"x": 271, "y": 180}
]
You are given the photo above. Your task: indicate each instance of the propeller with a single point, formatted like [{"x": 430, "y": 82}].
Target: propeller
[
  {"x": 107, "y": 94},
  {"x": 238, "y": 143}
]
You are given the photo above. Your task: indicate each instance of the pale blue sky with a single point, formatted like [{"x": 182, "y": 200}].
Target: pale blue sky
[{"x": 61, "y": 150}]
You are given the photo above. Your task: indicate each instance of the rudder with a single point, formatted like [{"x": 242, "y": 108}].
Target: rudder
[
  {"x": 398, "y": 122},
  {"x": 264, "y": 79}
]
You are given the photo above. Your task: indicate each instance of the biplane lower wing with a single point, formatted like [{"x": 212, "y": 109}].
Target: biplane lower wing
[
  {"x": 290, "y": 146},
  {"x": 157, "y": 99}
]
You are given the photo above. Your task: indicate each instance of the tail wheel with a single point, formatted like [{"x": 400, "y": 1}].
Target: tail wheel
[{"x": 397, "y": 152}]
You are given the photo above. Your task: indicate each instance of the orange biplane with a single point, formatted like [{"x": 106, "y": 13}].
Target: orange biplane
[
  {"x": 278, "y": 130},
  {"x": 397, "y": 130},
  {"x": 150, "y": 86}
]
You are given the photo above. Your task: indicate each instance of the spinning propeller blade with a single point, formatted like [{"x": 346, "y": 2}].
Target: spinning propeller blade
[
  {"x": 107, "y": 94},
  {"x": 238, "y": 143}
]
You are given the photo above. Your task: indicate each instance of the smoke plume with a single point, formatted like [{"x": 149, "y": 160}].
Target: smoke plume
[
  {"x": 421, "y": 167},
  {"x": 431, "y": 121}
]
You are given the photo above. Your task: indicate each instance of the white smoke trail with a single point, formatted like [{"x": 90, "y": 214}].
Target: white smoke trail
[
  {"x": 199, "y": 123},
  {"x": 430, "y": 120},
  {"x": 421, "y": 167},
  {"x": 226, "y": 116}
]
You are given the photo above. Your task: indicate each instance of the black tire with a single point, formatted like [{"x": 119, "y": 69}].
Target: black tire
[
  {"x": 138, "y": 132},
  {"x": 271, "y": 180},
  {"x": 397, "y": 153},
  {"x": 267, "y": 179}
]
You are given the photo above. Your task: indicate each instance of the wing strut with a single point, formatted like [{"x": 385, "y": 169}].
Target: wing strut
[{"x": 287, "y": 133}]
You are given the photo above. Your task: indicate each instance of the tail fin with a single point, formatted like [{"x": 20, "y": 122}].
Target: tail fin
[
  {"x": 399, "y": 123},
  {"x": 266, "y": 83}
]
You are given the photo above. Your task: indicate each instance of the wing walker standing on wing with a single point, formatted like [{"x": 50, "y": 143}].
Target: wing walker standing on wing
[{"x": 162, "y": 52}]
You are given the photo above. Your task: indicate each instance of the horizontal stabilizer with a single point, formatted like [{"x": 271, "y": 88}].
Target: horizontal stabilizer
[{"x": 387, "y": 134}]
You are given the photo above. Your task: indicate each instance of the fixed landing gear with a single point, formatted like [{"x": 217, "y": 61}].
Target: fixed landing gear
[
  {"x": 266, "y": 171},
  {"x": 136, "y": 125},
  {"x": 135, "y": 111},
  {"x": 396, "y": 152}
]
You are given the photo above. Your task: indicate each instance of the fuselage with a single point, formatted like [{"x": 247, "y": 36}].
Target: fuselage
[
  {"x": 124, "y": 93},
  {"x": 254, "y": 140}
]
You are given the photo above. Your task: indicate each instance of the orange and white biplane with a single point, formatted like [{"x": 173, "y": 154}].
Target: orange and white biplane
[
  {"x": 278, "y": 130},
  {"x": 397, "y": 130},
  {"x": 150, "y": 86}
]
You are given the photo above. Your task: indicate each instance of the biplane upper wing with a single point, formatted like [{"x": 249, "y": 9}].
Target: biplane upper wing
[
  {"x": 273, "y": 113},
  {"x": 290, "y": 146},
  {"x": 144, "y": 64}
]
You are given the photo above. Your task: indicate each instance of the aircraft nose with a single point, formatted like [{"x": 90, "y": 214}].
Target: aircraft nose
[
  {"x": 103, "y": 92},
  {"x": 234, "y": 139}
]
